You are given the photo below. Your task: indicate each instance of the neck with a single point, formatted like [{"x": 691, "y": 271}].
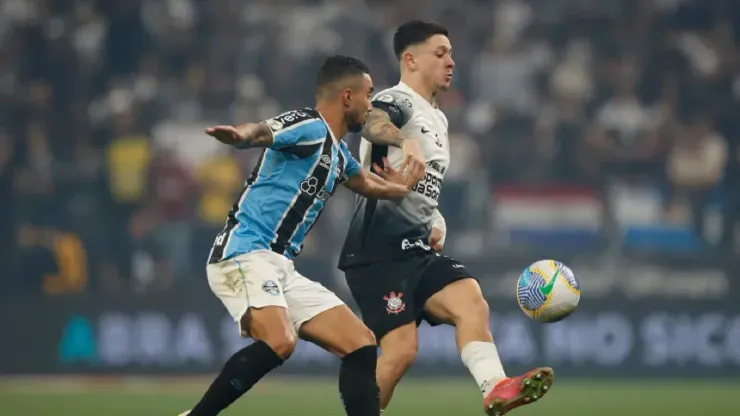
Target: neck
[
  {"x": 334, "y": 119},
  {"x": 416, "y": 84}
]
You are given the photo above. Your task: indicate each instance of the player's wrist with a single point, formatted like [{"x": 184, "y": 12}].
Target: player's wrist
[{"x": 408, "y": 141}]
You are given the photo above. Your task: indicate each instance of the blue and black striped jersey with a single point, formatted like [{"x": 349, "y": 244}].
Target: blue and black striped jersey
[{"x": 288, "y": 188}]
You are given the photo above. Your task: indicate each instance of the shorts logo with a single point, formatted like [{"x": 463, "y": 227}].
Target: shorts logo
[
  {"x": 271, "y": 287},
  {"x": 394, "y": 303}
]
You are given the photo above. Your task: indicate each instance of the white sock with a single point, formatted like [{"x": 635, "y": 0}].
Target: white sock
[{"x": 483, "y": 362}]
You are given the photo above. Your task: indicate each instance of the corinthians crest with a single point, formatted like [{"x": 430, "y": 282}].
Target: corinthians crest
[{"x": 394, "y": 303}]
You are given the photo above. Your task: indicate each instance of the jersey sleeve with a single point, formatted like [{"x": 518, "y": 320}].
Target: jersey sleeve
[
  {"x": 299, "y": 131},
  {"x": 352, "y": 166},
  {"x": 397, "y": 104}
]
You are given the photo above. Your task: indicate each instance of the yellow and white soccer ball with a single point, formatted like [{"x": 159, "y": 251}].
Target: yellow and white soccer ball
[{"x": 547, "y": 291}]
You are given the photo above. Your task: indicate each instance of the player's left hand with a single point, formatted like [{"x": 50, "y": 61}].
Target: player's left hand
[
  {"x": 224, "y": 134},
  {"x": 436, "y": 239},
  {"x": 389, "y": 174}
]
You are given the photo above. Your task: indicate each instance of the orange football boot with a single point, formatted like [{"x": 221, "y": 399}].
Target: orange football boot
[{"x": 511, "y": 393}]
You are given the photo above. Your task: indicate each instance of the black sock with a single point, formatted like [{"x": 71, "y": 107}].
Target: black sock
[
  {"x": 242, "y": 371},
  {"x": 357, "y": 385}
]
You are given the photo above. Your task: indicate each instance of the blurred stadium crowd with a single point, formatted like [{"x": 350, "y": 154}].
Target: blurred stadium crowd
[{"x": 606, "y": 121}]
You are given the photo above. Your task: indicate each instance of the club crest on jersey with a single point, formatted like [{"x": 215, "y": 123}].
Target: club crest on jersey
[
  {"x": 386, "y": 98},
  {"x": 271, "y": 287},
  {"x": 394, "y": 304}
]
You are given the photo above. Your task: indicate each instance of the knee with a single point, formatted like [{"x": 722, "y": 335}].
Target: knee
[
  {"x": 276, "y": 333},
  {"x": 474, "y": 309},
  {"x": 283, "y": 345},
  {"x": 365, "y": 338},
  {"x": 479, "y": 307},
  {"x": 355, "y": 340}
]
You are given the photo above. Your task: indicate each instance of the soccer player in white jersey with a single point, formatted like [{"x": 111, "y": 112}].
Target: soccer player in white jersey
[{"x": 391, "y": 257}]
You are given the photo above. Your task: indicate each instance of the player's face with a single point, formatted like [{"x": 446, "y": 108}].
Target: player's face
[
  {"x": 435, "y": 63},
  {"x": 357, "y": 104}
]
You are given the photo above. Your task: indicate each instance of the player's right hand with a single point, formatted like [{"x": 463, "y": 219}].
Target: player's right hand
[
  {"x": 413, "y": 165},
  {"x": 389, "y": 174},
  {"x": 224, "y": 134}
]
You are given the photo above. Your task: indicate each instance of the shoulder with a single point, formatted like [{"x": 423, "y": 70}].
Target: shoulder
[
  {"x": 396, "y": 97},
  {"x": 293, "y": 119}
]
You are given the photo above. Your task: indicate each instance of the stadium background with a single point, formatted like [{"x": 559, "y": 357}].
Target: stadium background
[{"x": 601, "y": 133}]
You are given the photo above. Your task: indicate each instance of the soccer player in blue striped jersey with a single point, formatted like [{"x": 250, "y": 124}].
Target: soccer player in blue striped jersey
[{"x": 250, "y": 267}]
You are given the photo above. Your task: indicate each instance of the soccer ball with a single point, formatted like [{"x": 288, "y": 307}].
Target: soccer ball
[{"x": 547, "y": 291}]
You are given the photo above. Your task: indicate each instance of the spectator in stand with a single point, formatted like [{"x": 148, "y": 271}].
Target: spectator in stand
[{"x": 696, "y": 167}]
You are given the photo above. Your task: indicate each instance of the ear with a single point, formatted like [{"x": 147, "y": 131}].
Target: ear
[
  {"x": 408, "y": 59},
  {"x": 347, "y": 97}
]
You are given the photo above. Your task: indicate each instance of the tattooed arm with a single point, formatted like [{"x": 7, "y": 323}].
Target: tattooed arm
[
  {"x": 379, "y": 129},
  {"x": 382, "y": 131},
  {"x": 288, "y": 132},
  {"x": 243, "y": 136}
]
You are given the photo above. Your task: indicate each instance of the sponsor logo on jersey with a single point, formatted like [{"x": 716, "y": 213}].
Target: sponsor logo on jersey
[
  {"x": 436, "y": 166},
  {"x": 310, "y": 186},
  {"x": 406, "y": 245},
  {"x": 325, "y": 161},
  {"x": 429, "y": 186}
]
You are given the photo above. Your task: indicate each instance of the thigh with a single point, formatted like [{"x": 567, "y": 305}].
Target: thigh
[
  {"x": 401, "y": 342},
  {"x": 440, "y": 288},
  {"x": 307, "y": 299},
  {"x": 385, "y": 293},
  {"x": 337, "y": 330},
  {"x": 253, "y": 280}
]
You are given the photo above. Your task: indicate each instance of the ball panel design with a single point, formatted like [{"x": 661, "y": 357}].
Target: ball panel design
[
  {"x": 548, "y": 291},
  {"x": 528, "y": 291},
  {"x": 568, "y": 275}
]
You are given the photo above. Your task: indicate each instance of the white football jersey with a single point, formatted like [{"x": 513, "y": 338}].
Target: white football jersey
[{"x": 383, "y": 229}]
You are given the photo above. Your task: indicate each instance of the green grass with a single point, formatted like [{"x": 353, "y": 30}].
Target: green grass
[{"x": 305, "y": 396}]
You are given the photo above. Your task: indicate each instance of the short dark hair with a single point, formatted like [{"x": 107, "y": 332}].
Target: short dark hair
[
  {"x": 337, "y": 67},
  {"x": 415, "y": 32}
]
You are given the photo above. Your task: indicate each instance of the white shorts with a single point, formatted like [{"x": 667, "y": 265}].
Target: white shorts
[{"x": 264, "y": 278}]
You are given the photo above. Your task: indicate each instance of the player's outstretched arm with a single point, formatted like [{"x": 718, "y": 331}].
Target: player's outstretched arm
[
  {"x": 380, "y": 130},
  {"x": 243, "y": 136},
  {"x": 387, "y": 184}
]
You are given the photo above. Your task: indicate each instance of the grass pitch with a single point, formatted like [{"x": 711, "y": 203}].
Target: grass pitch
[{"x": 318, "y": 396}]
